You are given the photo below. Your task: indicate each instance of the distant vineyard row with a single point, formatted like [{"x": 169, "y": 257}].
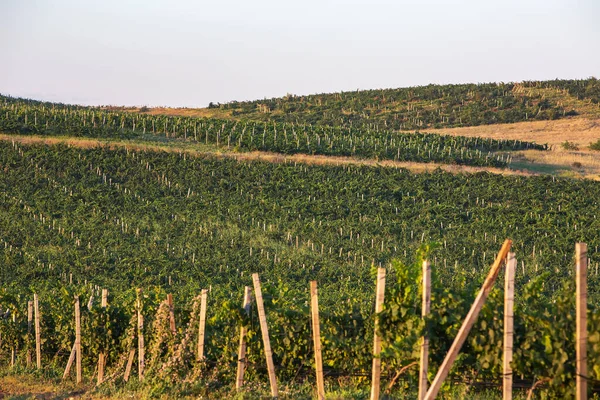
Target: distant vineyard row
[
  {"x": 423, "y": 107},
  {"x": 30, "y": 117}
]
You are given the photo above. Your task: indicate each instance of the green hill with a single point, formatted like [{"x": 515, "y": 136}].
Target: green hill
[{"x": 431, "y": 106}]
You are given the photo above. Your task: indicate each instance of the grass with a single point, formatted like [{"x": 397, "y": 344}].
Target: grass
[{"x": 20, "y": 386}]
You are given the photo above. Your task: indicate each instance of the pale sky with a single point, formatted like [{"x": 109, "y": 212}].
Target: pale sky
[{"x": 190, "y": 52}]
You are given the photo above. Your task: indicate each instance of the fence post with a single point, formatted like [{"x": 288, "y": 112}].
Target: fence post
[
  {"x": 379, "y": 296},
  {"x": 13, "y": 351},
  {"x": 140, "y": 336},
  {"x": 581, "y": 323},
  {"x": 509, "y": 298},
  {"x": 425, "y": 307},
  {"x": 468, "y": 322},
  {"x": 102, "y": 356},
  {"x": 29, "y": 326},
  {"x": 314, "y": 309},
  {"x": 239, "y": 381},
  {"x": 202, "y": 325},
  {"x": 171, "y": 311},
  {"x": 129, "y": 364},
  {"x": 38, "y": 340},
  {"x": 77, "y": 340},
  {"x": 70, "y": 362},
  {"x": 264, "y": 329}
]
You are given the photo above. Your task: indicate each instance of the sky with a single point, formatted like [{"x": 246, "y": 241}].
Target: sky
[{"x": 187, "y": 53}]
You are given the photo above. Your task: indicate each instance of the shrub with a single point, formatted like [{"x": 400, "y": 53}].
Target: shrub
[
  {"x": 595, "y": 145},
  {"x": 569, "y": 145}
]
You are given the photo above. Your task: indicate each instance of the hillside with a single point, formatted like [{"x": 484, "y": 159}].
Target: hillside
[
  {"x": 78, "y": 219},
  {"x": 419, "y": 108},
  {"x": 94, "y": 198}
]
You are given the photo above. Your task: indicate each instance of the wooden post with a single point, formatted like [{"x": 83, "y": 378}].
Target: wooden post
[
  {"x": 264, "y": 329},
  {"x": 171, "y": 313},
  {"x": 70, "y": 362},
  {"x": 102, "y": 356},
  {"x": 29, "y": 326},
  {"x": 425, "y": 307},
  {"x": 13, "y": 351},
  {"x": 509, "y": 298},
  {"x": 468, "y": 322},
  {"x": 38, "y": 340},
  {"x": 314, "y": 309},
  {"x": 202, "y": 325},
  {"x": 140, "y": 337},
  {"x": 129, "y": 364},
  {"x": 581, "y": 324},
  {"x": 77, "y": 340},
  {"x": 379, "y": 294},
  {"x": 241, "y": 367}
]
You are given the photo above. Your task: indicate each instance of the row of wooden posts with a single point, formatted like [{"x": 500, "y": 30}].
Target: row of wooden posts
[{"x": 426, "y": 391}]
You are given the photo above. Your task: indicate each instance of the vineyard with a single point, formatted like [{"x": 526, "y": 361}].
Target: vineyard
[
  {"x": 423, "y": 107},
  {"x": 36, "y": 118},
  {"x": 75, "y": 221}
]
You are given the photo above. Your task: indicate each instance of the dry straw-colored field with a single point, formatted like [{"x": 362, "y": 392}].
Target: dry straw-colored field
[{"x": 581, "y": 131}]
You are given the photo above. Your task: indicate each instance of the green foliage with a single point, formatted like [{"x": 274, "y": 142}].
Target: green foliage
[
  {"x": 595, "y": 145},
  {"x": 422, "y": 107},
  {"x": 29, "y": 117},
  {"x": 569, "y": 145},
  {"x": 122, "y": 219}
]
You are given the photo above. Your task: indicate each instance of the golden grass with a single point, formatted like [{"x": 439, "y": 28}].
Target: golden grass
[
  {"x": 575, "y": 164},
  {"x": 26, "y": 386},
  {"x": 579, "y": 130},
  {"x": 582, "y": 163}
]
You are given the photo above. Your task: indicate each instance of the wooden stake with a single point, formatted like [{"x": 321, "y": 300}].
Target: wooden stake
[
  {"x": 509, "y": 298},
  {"x": 264, "y": 329},
  {"x": 314, "y": 308},
  {"x": 129, "y": 364},
  {"x": 425, "y": 307},
  {"x": 70, "y": 362},
  {"x": 140, "y": 337},
  {"x": 102, "y": 356},
  {"x": 77, "y": 340},
  {"x": 581, "y": 324},
  {"x": 202, "y": 325},
  {"x": 239, "y": 381},
  {"x": 171, "y": 312},
  {"x": 468, "y": 322},
  {"x": 379, "y": 295},
  {"x": 38, "y": 340},
  {"x": 13, "y": 352},
  {"x": 29, "y": 326}
]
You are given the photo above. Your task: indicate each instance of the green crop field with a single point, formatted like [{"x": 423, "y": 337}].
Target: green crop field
[
  {"x": 79, "y": 219},
  {"x": 145, "y": 223}
]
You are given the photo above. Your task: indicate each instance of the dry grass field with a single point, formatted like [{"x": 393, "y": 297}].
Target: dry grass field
[{"x": 581, "y": 131}]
